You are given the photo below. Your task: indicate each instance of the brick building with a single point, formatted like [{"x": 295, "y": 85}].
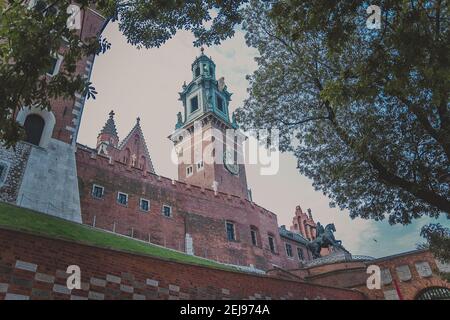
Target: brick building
[{"x": 207, "y": 212}]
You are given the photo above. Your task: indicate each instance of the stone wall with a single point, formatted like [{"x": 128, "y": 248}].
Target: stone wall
[
  {"x": 199, "y": 212},
  {"x": 49, "y": 183},
  {"x": 13, "y": 161},
  {"x": 33, "y": 267}
]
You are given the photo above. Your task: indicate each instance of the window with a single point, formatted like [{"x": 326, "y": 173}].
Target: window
[
  {"x": 197, "y": 71},
  {"x": 254, "y": 235},
  {"x": 97, "y": 191},
  {"x": 167, "y": 211},
  {"x": 200, "y": 165},
  {"x": 122, "y": 198},
  {"x": 56, "y": 61},
  {"x": 230, "y": 231},
  {"x": 189, "y": 171},
  {"x": 300, "y": 253},
  {"x": 272, "y": 244},
  {"x": 34, "y": 126},
  {"x": 220, "y": 105},
  {"x": 144, "y": 204},
  {"x": 289, "y": 250},
  {"x": 194, "y": 104}
]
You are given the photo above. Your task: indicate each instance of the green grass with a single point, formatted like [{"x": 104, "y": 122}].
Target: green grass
[{"x": 20, "y": 219}]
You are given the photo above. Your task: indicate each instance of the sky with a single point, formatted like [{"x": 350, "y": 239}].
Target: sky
[{"x": 145, "y": 83}]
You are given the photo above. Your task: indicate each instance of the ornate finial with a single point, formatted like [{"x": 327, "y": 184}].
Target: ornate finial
[
  {"x": 111, "y": 114},
  {"x": 138, "y": 120},
  {"x": 202, "y": 50}
]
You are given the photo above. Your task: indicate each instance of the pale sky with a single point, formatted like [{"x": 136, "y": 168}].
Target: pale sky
[{"x": 146, "y": 83}]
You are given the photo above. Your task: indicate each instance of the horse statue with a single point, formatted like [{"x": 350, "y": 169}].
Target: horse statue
[{"x": 324, "y": 239}]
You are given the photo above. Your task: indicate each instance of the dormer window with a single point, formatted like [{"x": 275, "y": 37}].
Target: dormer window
[{"x": 194, "y": 104}]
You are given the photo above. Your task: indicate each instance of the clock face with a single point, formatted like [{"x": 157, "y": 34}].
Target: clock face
[{"x": 228, "y": 162}]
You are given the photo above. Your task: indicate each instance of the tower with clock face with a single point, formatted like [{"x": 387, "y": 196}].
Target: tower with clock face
[{"x": 207, "y": 144}]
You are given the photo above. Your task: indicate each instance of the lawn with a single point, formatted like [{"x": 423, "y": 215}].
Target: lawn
[{"x": 21, "y": 219}]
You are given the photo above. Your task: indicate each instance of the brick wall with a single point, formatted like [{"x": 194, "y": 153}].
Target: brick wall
[
  {"x": 197, "y": 211},
  {"x": 33, "y": 267},
  {"x": 405, "y": 275}
]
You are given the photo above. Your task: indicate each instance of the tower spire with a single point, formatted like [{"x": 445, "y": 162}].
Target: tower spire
[{"x": 109, "y": 132}]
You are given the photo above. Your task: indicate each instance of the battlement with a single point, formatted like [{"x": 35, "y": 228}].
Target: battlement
[{"x": 89, "y": 155}]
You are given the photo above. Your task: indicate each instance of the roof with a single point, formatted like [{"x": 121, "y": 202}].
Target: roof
[
  {"x": 292, "y": 235},
  {"x": 137, "y": 129},
  {"x": 110, "y": 125}
]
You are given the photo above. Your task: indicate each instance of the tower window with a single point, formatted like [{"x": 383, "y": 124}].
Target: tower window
[
  {"x": 220, "y": 104},
  {"x": 197, "y": 71},
  {"x": 272, "y": 244},
  {"x": 289, "y": 250},
  {"x": 97, "y": 191},
  {"x": 194, "y": 104},
  {"x": 300, "y": 253},
  {"x": 34, "y": 126},
  {"x": 254, "y": 235},
  {"x": 144, "y": 204},
  {"x": 189, "y": 171},
  {"x": 167, "y": 211},
  {"x": 122, "y": 198},
  {"x": 230, "y": 231},
  {"x": 200, "y": 165}
]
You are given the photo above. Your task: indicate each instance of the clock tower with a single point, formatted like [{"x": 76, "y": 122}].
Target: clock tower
[{"x": 208, "y": 145}]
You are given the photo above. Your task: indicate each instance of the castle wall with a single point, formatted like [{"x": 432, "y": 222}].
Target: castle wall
[
  {"x": 199, "y": 212},
  {"x": 34, "y": 267},
  {"x": 50, "y": 182}
]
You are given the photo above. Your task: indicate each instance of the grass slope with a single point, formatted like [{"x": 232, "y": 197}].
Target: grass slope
[{"x": 21, "y": 219}]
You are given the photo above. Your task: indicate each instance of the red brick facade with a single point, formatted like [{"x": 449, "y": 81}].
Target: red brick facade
[
  {"x": 34, "y": 267},
  {"x": 199, "y": 212}
]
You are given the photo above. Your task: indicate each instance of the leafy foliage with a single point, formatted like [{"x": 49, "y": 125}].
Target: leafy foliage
[
  {"x": 150, "y": 23},
  {"x": 30, "y": 37},
  {"x": 366, "y": 112},
  {"x": 438, "y": 240}
]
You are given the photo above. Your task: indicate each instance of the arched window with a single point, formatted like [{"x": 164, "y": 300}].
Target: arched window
[
  {"x": 434, "y": 293},
  {"x": 34, "y": 126}
]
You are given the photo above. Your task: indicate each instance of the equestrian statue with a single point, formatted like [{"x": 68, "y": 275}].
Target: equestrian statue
[{"x": 324, "y": 239}]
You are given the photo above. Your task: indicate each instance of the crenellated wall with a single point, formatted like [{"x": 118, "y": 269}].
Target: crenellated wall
[{"x": 199, "y": 212}]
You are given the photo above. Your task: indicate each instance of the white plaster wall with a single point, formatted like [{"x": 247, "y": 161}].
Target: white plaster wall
[{"x": 50, "y": 183}]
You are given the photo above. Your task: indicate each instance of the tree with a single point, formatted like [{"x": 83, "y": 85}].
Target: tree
[
  {"x": 29, "y": 38},
  {"x": 438, "y": 240},
  {"x": 366, "y": 112}
]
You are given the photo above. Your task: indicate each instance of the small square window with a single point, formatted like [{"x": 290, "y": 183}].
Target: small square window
[
  {"x": 289, "y": 250},
  {"x": 189, "y": 171},
  {"x": 194, "y": 104},
  {"x": 55, "y": 65},
  {"x": 144, "y": 205},
  {"x": 230, "y": 231},
  {"x": 200, "y": 165},
  {"x": 167, "y": 211},
  {"x": 122, "y": 198},
  {"x": 97, "y": 191}
]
